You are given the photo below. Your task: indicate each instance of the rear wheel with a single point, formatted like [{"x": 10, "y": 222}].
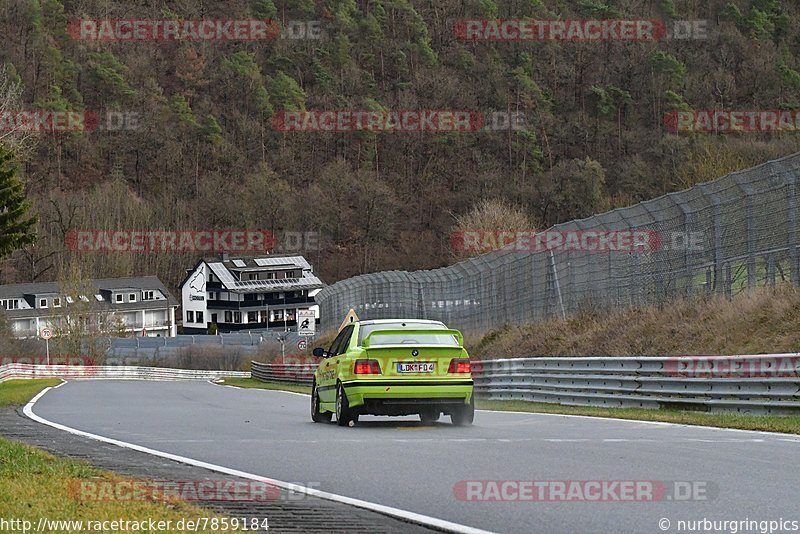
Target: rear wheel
[
  {"x": 464, "y": 414},
  {"x": 430, "y": 416},
  {"x": 316, "y": 415},
  {"x": 343, "y": 413}
]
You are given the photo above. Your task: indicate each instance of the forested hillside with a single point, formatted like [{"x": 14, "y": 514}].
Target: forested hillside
[{"x": 207, "y": 155}]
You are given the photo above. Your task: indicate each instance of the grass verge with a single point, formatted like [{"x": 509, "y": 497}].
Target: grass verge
[
  {"x": 768, "y": 423},
  {"x": 19, "y": 392},
  {"x": 253, "y": 383},
  {"x": 35, "y": 484}
]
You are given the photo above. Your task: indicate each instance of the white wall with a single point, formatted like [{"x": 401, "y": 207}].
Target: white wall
[{"x": 192, "y": 292}]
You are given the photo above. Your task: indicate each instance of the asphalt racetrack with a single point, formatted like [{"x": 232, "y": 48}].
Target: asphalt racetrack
[{"x": 426, "y": 469}]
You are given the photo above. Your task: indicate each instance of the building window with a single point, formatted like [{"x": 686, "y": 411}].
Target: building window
[
  {"x": 131, "y": 297},
  {"x": 252, "y": 317},
  {"x": 228, "y": 316},
  {"x": 199, "y": 317},
  {"x": 9, "y": 304},
  {"x": 237, "y": 317},
  {"x": 148, "y": 295},
  {"x": 190, "y": 316},
  {"x": 119, "y": 297},
  {"x": 56, "y": 302},
  {"x": 42, "y": 303}
]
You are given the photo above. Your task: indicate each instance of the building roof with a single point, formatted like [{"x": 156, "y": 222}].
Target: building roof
[
  {"x": 229, "y": 282},
  {"x": 103, "y": 284},
  {"x": 222, "y": 269},
  {"x": 268, "y": 263}
]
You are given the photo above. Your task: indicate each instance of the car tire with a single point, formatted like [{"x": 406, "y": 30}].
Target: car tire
[
  {"x": 343, "y": 413},
  {"x": 316, "y": 415},
  {"x": 464, "y": 415},
  {"x": 429, "y": 416}
]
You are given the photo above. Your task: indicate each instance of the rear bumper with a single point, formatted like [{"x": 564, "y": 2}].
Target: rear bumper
[{"x": 409, "y": 396}]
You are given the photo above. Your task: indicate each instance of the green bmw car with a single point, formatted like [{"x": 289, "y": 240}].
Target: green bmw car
[{"x": 393, "y": 367}]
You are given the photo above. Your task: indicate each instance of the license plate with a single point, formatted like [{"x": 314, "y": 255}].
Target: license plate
[{"x": 416, "y": 367}]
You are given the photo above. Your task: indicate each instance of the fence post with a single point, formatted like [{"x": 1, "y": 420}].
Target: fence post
[
  {"x": 750, "y": 231},
  {"x": 719, "y": 285},
  {"x": 791, "y": 221},
  {"x": 557, "y": 284}
]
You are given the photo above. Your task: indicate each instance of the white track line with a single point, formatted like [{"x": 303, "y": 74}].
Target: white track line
[{"x": 403, "y": 515}]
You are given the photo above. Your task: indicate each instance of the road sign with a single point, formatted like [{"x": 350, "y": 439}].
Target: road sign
[
  {"x": 305, "y": 322},
  {"x": 302, "y": 344},
  {"x": 351, "y": 317},
  {"x": 45, "y": 333}
]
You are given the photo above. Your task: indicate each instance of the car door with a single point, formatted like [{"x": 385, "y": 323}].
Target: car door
[{"x": 327, "y": 370}]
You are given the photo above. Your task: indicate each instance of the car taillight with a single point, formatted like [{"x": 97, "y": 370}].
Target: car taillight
[
  {"x": 459, "y": 366},
  {"x": 367, "y": 367}
]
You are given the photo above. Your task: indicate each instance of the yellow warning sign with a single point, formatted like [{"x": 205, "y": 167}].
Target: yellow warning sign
[{"x": 351, "y": 317}]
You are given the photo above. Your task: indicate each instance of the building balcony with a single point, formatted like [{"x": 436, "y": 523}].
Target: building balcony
[{"x": 249, "y": 304}]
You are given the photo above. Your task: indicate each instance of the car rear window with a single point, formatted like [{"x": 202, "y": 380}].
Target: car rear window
[{"x": 446, "y": 340}]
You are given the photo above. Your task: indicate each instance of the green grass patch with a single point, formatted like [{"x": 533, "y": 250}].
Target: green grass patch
[
  {"x": 253, "y": 383},
  {"x": 19, "y": 392},
  {"x": 34, "y": 484},
  {"x": 769, "y": 423}
]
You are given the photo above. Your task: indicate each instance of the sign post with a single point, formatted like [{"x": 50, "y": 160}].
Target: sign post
[
  {"x": 306, "y": 327},
  {"x": 46, "y": 334},
  {"x": 306, "y": 323}
]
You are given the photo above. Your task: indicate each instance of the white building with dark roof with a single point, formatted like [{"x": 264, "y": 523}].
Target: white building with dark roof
[
  {"x": 140, "y": 305},
  {"x": 248, "y": 293}
]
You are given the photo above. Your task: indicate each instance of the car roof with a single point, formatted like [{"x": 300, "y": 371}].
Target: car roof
[{"x": 393, "y": 321}]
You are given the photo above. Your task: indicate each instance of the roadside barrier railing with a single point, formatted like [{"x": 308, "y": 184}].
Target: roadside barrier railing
[
  {"x": 19, "y": 371},
  {"x": 765, "y": 383}
]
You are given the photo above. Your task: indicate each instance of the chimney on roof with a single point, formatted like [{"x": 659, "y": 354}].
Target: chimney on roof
[{"x": 224, "y": 256}]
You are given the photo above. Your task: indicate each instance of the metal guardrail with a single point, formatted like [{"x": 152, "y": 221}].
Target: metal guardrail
[
  {"x": 744, "y": 384},
  {"x": 19, "y": 371},
  {"x": 298, "y": 374}
]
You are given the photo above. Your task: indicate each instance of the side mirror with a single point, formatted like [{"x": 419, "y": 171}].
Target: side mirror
[{"x": 319, "y": 352}]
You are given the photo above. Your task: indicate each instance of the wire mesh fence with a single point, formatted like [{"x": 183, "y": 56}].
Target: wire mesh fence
[{"x": 726, "y": 236}]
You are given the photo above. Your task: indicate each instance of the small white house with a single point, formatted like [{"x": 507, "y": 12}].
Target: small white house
[{"x": 142, "y": 305}]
